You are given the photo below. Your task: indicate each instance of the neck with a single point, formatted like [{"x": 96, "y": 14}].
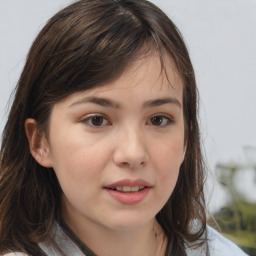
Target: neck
[{"x": 145, "y": 241}]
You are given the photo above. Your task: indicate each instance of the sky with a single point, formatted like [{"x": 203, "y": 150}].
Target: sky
[{"x": 221, "y": 38}]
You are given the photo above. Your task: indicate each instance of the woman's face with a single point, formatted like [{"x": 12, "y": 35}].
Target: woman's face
[{"x": 117, "y": 149}]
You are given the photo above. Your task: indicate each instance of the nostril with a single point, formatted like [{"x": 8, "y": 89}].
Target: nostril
[
  {"x": 125, "y": 164},
  {"x": 130, "y": 157},
  {"x": 132, "y": 164}
]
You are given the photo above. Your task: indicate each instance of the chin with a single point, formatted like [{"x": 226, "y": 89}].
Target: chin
[{"x": 130, "y": 222}]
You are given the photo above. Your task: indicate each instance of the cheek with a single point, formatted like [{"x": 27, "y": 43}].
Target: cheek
[
  {"x": 79, "y": 171},
  {"x": 167, "y": 161},
  {"x": 79, "y": 159},
  {"x": 169, "y": 157}
]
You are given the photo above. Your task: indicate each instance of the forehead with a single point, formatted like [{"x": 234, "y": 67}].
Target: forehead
[
  {"x": 153, "y": 69},
  {"x": 146, "y": 77}
]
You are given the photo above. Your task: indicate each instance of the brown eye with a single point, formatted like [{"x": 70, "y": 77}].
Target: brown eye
[
  {"x": 156, "y": 120},
  {"x": 96, "y": 121},
  {"x": 160, "y": 120}
]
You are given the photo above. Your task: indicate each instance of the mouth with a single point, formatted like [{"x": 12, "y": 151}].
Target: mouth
[
  {"x": 128, "y": 186},
  {"x": 128, "y": 189},
  {"x": 129, "y": 192}
]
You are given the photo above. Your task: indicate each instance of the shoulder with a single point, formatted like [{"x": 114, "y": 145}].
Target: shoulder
[
  {"x": 218, "y": 246},
  {"x": 59, "y": 242}
]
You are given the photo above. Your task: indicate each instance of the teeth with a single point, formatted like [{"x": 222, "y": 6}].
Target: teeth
[{"x": 129, "y": 189}]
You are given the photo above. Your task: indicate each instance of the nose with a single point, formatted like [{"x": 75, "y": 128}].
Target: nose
[{"x": 131, "y": 149}]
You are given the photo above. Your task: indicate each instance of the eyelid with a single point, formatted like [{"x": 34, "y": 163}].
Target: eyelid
[
  {"x": 88, "y": 117},
  {"x": 170, "y": 119}
]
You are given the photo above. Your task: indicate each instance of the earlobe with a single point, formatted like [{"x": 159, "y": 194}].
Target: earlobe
[{"x": 38, "y": 144}]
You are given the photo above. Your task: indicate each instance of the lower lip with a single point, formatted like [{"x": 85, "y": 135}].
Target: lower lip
[{"x": 129, "y": 197}]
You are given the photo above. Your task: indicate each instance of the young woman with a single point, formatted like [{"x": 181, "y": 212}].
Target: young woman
[{"x": 101, "y": 151}]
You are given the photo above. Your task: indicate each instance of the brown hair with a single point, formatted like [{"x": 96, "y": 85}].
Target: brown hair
[{"x": 86, "y": 45}]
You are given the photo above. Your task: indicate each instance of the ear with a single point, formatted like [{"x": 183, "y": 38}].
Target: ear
[{"x": 38, "y": 143}]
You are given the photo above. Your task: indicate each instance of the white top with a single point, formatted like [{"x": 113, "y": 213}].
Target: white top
[{"x": 218, "y": 245}]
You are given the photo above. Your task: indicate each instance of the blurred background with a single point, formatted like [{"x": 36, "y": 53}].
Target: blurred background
[{"x": 221, "y": 38}]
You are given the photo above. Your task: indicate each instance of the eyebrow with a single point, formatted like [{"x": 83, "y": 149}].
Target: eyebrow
[
  {"x": 97, "y": 100},
  {"x": 159, "y": 102},
  {"x": 110, "y": 103}
]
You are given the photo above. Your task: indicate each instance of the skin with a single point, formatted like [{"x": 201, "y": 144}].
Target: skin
[{"x": 131, "y": 138}]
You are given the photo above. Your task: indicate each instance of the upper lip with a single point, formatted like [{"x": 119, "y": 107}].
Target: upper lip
[{"x": 129, "y": 183}]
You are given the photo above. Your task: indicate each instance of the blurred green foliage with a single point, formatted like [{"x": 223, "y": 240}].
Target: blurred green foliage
[{"x": 237, "y": 220}]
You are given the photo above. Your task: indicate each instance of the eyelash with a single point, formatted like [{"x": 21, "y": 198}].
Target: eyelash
[
  {"x": 104, "y": 121},
  {"x": 168, "y": 120},
  {"x": 88, "y": 120}
]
